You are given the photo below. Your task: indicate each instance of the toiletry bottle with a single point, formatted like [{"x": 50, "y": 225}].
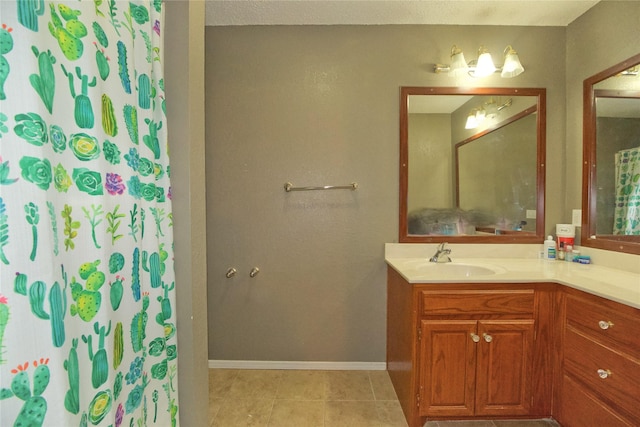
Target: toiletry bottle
[
  {"x": 560, "y": 253},
  {"x": 550, "y": 249},
  {"x": 569, "y": 253}
]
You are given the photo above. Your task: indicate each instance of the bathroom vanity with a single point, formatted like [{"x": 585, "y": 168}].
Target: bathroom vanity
[{"x": 513, "y": 338}]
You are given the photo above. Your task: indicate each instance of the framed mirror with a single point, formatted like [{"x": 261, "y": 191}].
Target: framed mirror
[
  {"x": 611, "y": 166},
  {"x": 472, "y": 165}
]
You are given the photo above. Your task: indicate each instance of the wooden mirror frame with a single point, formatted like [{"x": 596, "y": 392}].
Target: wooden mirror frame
[
  {"x": 541, "y": 126},
  {"x": 588, "y": 236}
]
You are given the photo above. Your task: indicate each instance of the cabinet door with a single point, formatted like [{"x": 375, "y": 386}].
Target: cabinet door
[
  {"x": 447, "y": 367},
  {"x": 504, "y": 367}
]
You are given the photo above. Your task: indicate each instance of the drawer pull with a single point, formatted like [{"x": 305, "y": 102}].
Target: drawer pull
[
  {"x": 475, "y": 338},
  {"x": 487, "y": 337},
  {"x": 605, "y": 324},
  {"x": 604, "y": 373}
]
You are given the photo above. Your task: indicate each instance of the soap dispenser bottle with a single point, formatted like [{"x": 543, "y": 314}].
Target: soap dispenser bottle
[{"x": 550, "y": 249}]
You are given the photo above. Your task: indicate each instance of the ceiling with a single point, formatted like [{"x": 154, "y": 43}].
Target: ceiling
[{"x": 367, "y": 12}]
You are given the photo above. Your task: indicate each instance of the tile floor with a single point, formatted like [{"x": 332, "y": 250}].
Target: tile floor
[{"x": 291, "y": 398}]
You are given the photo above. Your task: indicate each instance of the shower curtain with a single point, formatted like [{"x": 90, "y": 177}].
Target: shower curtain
[
  {"x": 627, "y": 209},
  {"x": 87, "y": 286}
]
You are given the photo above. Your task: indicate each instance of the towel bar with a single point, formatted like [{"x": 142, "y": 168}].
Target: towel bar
[{"x": 289, "y": 187}]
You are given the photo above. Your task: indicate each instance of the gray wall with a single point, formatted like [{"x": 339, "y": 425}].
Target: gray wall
[
  {"x": 431, "y": 162},
  {"x": 319, "y": 105},
  {"x": 604, "y": 36}
]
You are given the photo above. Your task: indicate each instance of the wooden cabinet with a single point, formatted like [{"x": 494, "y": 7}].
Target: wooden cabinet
[
  {"x": 457, "y": 351},
  {"x": 600, "y": 377},
  {"x": 473, "y": 368}
]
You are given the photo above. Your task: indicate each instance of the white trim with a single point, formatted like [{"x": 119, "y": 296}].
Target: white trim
[{"x": 324, "y": 366}]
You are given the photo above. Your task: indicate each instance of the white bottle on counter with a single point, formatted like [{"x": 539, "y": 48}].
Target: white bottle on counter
[{"x": 549, "y": 249}]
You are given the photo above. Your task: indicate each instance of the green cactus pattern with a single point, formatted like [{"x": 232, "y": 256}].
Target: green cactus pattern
[
  {"x": 102, "y": 61},
  {"x": 34, "y": 409},
  {"x": 83, "y": 124},
  {"x": 20, "y": 284},
  {"x": 139, "y": 325},
  {"x": 135, "y": 274},
  {"x": 118, "y": 345},
  {"x": 54, "y": 226},
  {"x": 87, "y": 299},
  {"x": 144, "y": 92},
  {"x": 4, "y": 232},
  {"x": 28, "y": 12},
  {"x": 45, "y": 82},
  {"x": 33, "y": 218},
  {"x": 100, "y": 365},
  {"x": 68, "y": 34},
  {"x": 37, "y": 294},
  {"x": 83, "y": 111},
  {"x": 116, "y": 293},
  {"x": 6, "y": 45},
  {"x": 151, "y": 140},
  {"x": 72, "y": 397},
  {"x": 108, "y": 117},
  {"x": 123, "y": 70},
  {"x": 4, "y": 319},
  {"x": 131, "y": 120}
]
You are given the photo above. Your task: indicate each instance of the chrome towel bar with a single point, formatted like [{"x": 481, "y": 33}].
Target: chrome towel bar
[{"x": 289, "y": 187}]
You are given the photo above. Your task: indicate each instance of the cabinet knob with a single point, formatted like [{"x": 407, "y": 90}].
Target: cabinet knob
[
  {"x": 475, "y": 338},
  {"x": 605, "y": 324},
  {"x": 254, "y": 272},
  {"x": 231, "y": 272},
  {"x": 487, "y": 337},
  {"x": 604, "y": 373}
]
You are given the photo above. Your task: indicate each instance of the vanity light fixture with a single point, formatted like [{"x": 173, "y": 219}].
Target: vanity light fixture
[
  {"x": 512, "y": 66},
  {"x": 471, "y": 123},
  {"x": 483, "y": 66},
  {"x": 488, "y": 111},
  {"x": 458, "y": 65},
  {"x": 474, "y": 118}
]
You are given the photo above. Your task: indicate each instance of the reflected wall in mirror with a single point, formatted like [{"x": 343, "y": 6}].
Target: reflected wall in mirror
[
  {"x": 472, "y": 182},
  {"x": 611, "y": 174}
]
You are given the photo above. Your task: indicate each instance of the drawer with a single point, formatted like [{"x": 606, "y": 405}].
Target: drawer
[
  {"x": 604, "y": 322},
  {"x": 481, "y": 302},
  {"x": 579, "y": 408},
  {"x": 584, "y": 357}
]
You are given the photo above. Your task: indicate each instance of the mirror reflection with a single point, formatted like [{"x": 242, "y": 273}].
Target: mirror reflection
[
  {"x": 612, "y": 158},
  {"x": 471, "y": 165}
]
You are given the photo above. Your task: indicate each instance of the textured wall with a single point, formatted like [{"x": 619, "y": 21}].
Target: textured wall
[
  {"x": 604, "y": 36},
  {"x": 318, "y": 105}
]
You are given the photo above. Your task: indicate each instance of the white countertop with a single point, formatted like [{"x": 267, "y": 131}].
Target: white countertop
[{"x": 611, "y": 283}]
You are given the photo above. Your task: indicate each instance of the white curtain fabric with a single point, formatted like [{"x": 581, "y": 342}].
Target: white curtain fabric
[
  {"x": 87, "y": 286},
  {"x": 627, "y": 209}
]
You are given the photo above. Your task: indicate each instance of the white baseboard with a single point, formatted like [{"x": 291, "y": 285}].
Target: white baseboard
[{"x": 321, "y": 366}]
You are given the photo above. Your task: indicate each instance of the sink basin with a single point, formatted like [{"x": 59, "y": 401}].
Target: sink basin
[{"x": 451, "y": 269}]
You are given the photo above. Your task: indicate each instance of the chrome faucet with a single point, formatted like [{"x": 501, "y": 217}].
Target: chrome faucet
[{"x": 442, "y": 254}]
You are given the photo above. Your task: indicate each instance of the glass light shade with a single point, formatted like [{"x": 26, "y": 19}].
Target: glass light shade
[
  {"x": 458, "y": 65},
  {"x": 512, "y": 66},
  {"x": 472, "y": 122},
  {"x": 485, "y": 65},
  {"x": 491, "y": 109}
]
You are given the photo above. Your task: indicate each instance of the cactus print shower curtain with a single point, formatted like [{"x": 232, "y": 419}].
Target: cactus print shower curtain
[
  {"x": 627, "y": 209},
  {"x": 87, "y": 289}
]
